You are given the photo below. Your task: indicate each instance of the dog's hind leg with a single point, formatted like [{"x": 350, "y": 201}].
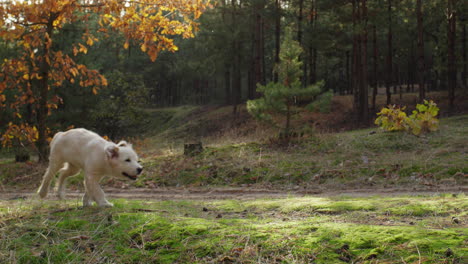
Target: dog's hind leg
[
  {"x": 54, "y": 166},
  {"x": 64, "y": 173}
]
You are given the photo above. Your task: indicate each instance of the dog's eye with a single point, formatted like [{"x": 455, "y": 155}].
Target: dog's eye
[{"x": 127, "y": 160}]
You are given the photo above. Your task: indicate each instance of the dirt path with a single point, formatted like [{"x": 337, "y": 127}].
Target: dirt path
[{"x": 236, "y": 193}]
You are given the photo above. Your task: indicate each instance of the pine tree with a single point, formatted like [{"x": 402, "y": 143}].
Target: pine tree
[{"x": 279, "y": 98}]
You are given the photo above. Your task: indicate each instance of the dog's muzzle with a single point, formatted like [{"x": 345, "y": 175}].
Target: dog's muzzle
[{"x": 132, "y": 177}]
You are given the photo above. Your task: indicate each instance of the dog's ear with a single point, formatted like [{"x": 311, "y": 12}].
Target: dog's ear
[
  {"x": 112, "y": 151},
  {"x": 122, "y": 143}
]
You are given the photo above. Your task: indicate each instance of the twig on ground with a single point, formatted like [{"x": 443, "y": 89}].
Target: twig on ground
[
  {"x": 419, "y": 253},
  {"x": 64, "y": 210},
  {"x": 148, "y": 210}
]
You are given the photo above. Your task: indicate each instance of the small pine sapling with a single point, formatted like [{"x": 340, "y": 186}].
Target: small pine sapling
[{"x": 279, "y": 98}]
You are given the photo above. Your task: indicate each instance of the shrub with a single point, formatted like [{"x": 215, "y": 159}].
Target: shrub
[{"x": 422, "y": 120}]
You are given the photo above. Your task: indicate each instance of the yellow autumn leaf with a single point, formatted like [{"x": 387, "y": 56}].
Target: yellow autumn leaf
[
  {"x": 103, "y": 80},
  {"x": 26, "y": 76},
  {"x": 143, "y": 47},
  {"x": 83, "y": 49},
  {"x": 90, "y": 42},
  {"x": 126, "y": 45}
]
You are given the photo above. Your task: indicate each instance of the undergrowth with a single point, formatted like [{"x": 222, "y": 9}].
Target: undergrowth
[
  {"x": 364, "y": 158},
  {"x": 337, "y": 229}
]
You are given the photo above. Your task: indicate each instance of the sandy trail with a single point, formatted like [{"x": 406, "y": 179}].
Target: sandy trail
[{"x": 238, "y": 193}]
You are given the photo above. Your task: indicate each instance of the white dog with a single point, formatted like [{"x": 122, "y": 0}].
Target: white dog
[{"x": 79, "y": 149}]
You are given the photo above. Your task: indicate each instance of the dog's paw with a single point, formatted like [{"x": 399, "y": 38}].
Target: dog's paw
[
  {"x": 106, "y": 204},
  {"x": 61, "y": 196},
  {"x": 42, "y": 192}
]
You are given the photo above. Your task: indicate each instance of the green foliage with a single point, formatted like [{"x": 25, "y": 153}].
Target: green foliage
[
  {"x": 392, "y": 118},
  {"x": 281, "y": 97},
  {"x": 423, "y": 119},
  {"x": 119, "y": 111}
]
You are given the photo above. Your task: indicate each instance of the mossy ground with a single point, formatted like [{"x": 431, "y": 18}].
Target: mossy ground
[{"x": 337, "y": 229}]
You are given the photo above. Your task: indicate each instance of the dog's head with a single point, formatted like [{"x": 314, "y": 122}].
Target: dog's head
[{"x": 123, "y": 160}]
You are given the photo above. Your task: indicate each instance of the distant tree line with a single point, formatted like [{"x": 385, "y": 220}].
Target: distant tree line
[{"x": 354, "y": 46}]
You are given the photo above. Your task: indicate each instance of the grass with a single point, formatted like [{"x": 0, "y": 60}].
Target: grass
[
  {"x": 309, "y": 229},
  {"x": 366, "y": 158},
  {"x": 336, "y": 229}
]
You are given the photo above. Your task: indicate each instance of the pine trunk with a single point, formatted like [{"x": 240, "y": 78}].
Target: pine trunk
[
  {"x": 236, "y": 70},
  {"x": 348, "y": 78},
  {"x": 277, "y": 36},
  {"x": 258, "y": 47},
  {"x": 355, "y": 58},
  {"x": 363, "y": 93},
  {"x": 375, "y": 82},
  {"x": 463, "y": 47},
  {"x": 451, "y": 67},
  {"x": 300, "y": 18},
  {"x": 313, "y": 50},
  {"x": 421, "y": 64},
  {"x": 389, "y": 55}
]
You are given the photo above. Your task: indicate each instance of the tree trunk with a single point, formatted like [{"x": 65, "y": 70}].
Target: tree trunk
[
  {"x": 277, "y": 36},
  {"x": 409, "y": 64},
  {"x": 348, "y": 78},
  {"x": 43, "y": 84},
  {"x": 451, "y": 67},
  {"x": 355, "y": 58},
  {"x": 389, "y": 55},
  {"x": 258, "y": 46},
  {"x": 236, "y": 82},
  {"x": 300, "y": 18},
  {"x": 375, "y": 82},
  {"x": 463, "y": 47},
  {"x": 313, "y": 50},
  {"x": 227, "y": 84},
  {"x": 363, "y": 93},
  {"x": 421, "y": 65},
  {"x": 236, "y": 71},
  {"x": 299, "y": 22}
]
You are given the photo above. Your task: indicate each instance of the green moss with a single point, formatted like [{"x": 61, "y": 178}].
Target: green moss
[{"x": 292, "y": 229}]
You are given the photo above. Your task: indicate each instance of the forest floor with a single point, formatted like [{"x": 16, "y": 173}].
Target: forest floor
[
  {"x": 331, "y": 196},
  {"x": 237, "y": 226}
]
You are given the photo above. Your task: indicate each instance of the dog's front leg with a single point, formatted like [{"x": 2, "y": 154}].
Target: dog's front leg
[
  {"x": 87, "y": 201},
  {"x": 94, "y": 192}
]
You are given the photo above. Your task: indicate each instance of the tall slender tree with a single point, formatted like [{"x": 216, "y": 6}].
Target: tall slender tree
[
  {"x": 389, "y": 80},
  {"x": 463, "y": 51},
  {"x": 363, "y": 87},
  {"x": 421, "y": 65},
  {"x": 277, "y": 36},
  {"x": 374, "y": 68},
  {"x": 451, "y": 59}
]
